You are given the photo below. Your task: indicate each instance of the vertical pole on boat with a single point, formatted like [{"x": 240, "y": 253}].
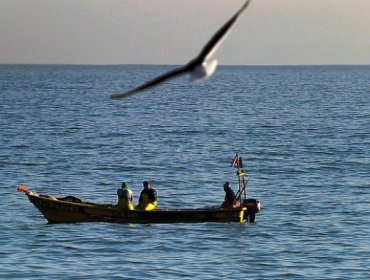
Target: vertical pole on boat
[
  {"x": 241, "y": 195},
  {"x": 241, "y": 175},
  {"x": 238, "y": 163},
  {"x": 238, "y": 174}
]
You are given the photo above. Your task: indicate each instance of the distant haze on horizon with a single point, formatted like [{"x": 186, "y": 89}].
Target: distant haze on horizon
[{"x": 270, "y": 32}]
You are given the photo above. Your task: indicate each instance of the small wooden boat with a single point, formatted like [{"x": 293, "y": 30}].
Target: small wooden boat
[{"x": 69, "y": 209}]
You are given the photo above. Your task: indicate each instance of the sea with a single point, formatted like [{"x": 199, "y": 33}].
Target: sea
[{"x": 303, "y": 133}]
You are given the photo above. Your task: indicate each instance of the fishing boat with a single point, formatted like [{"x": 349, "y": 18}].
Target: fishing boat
[{"x": 70, "y": 209}]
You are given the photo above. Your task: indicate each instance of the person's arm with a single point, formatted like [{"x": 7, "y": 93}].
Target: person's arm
[
  {"x": 131, "y": 196},
  {"x": 153, "y": 195}
]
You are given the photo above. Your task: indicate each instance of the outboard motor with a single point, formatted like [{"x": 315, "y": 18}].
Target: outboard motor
[{"x": 253, "y": 207}]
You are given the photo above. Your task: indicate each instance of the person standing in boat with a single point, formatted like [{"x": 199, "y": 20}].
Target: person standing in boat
[
  {"x": 229, "y": 201},
  {"x": 148, "y": 198},
  {"x": 125, "y": 197}
]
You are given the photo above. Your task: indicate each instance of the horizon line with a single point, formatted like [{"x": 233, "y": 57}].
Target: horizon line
[{"x": 152, "y": 64}]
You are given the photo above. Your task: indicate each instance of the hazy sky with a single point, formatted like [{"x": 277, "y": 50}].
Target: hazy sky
[{"x": 270, "y": 32}]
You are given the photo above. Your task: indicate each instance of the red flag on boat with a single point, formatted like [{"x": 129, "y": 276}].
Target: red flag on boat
[{"x": 235, "y": 161}]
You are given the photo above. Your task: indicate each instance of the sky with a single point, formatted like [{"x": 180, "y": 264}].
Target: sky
[{"x": 270, "y": 32}]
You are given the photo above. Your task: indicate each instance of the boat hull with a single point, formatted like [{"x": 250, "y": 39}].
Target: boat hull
[{"x": 59, "y": 210}]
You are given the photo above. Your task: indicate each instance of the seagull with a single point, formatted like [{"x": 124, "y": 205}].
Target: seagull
[{"x": 199, "y": 68}]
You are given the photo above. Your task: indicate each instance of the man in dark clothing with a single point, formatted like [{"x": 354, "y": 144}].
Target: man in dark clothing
[
  {"x": 229, "y": 201},
  {"x": 148, "y": 198}
]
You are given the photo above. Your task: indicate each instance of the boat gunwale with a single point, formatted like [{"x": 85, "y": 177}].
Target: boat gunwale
[{"x": 113, "y": 207}]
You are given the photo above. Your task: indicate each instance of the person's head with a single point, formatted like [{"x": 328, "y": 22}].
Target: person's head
[
  {"x": 146, "y": 185},
  {"x": 227, "y": 186},
  {"x": 124, "y": 185}
]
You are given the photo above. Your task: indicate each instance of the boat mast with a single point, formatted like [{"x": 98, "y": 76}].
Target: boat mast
[{"x": 242, "y": 192}]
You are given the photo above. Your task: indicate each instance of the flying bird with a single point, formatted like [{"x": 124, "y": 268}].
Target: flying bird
[{"x": 199, "y": 68}]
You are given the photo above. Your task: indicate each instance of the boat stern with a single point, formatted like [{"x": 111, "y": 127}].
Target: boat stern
[{"x": 252, "y": 206}]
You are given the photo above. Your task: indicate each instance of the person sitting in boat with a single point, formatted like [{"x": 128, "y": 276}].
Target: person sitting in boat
[
  {"x": 125, "y": 197},
  {"x": 229, "y": 201},
  {"x": 148, "y": 198}
]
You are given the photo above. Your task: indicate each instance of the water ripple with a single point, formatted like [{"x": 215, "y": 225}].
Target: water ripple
[{"x": 303, "y": 133}]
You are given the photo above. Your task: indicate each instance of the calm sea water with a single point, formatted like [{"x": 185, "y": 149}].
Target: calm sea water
[{"x": 303, "y": 132}]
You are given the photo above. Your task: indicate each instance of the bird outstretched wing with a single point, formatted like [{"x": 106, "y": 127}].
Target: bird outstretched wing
[{"x": 152, "y": 83}]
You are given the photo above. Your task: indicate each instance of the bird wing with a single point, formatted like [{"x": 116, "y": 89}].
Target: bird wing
[
  {"x": 206, "y": 53},
  {"x": 210, "y": 48},
  {"x": 154, "y": 82}
]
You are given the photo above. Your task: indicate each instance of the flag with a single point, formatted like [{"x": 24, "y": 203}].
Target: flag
[{"x": 235, "y": 161}]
